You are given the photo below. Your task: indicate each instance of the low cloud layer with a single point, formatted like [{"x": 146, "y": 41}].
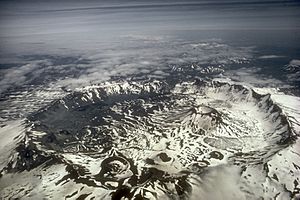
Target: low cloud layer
[{"x": 146, "y": 57}]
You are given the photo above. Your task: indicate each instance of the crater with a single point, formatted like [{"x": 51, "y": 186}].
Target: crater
[{"x": 133, "y": 138}]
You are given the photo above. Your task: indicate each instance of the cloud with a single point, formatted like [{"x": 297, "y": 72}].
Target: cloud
[
  {"x": 219, "y": 183},
  {"x": 294, "y": 62},
  {"x": 253, "y": 77},
  {"x": 16, "y": 76},
  {"x": 270, "y": 56},
  {"x": 156, "y": 58},
  {"x": 40, "y": 70},
  {"x": 293, "y": 70}
]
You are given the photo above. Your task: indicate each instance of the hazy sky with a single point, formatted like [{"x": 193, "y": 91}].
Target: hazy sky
[{"x": 70, "y": 23}]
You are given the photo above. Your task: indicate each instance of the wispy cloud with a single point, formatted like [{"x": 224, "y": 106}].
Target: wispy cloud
[
  {"x": 270, "y": 56},
  {"x": 253, "y": 77},
  {"x": 293, "y": 70}
]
